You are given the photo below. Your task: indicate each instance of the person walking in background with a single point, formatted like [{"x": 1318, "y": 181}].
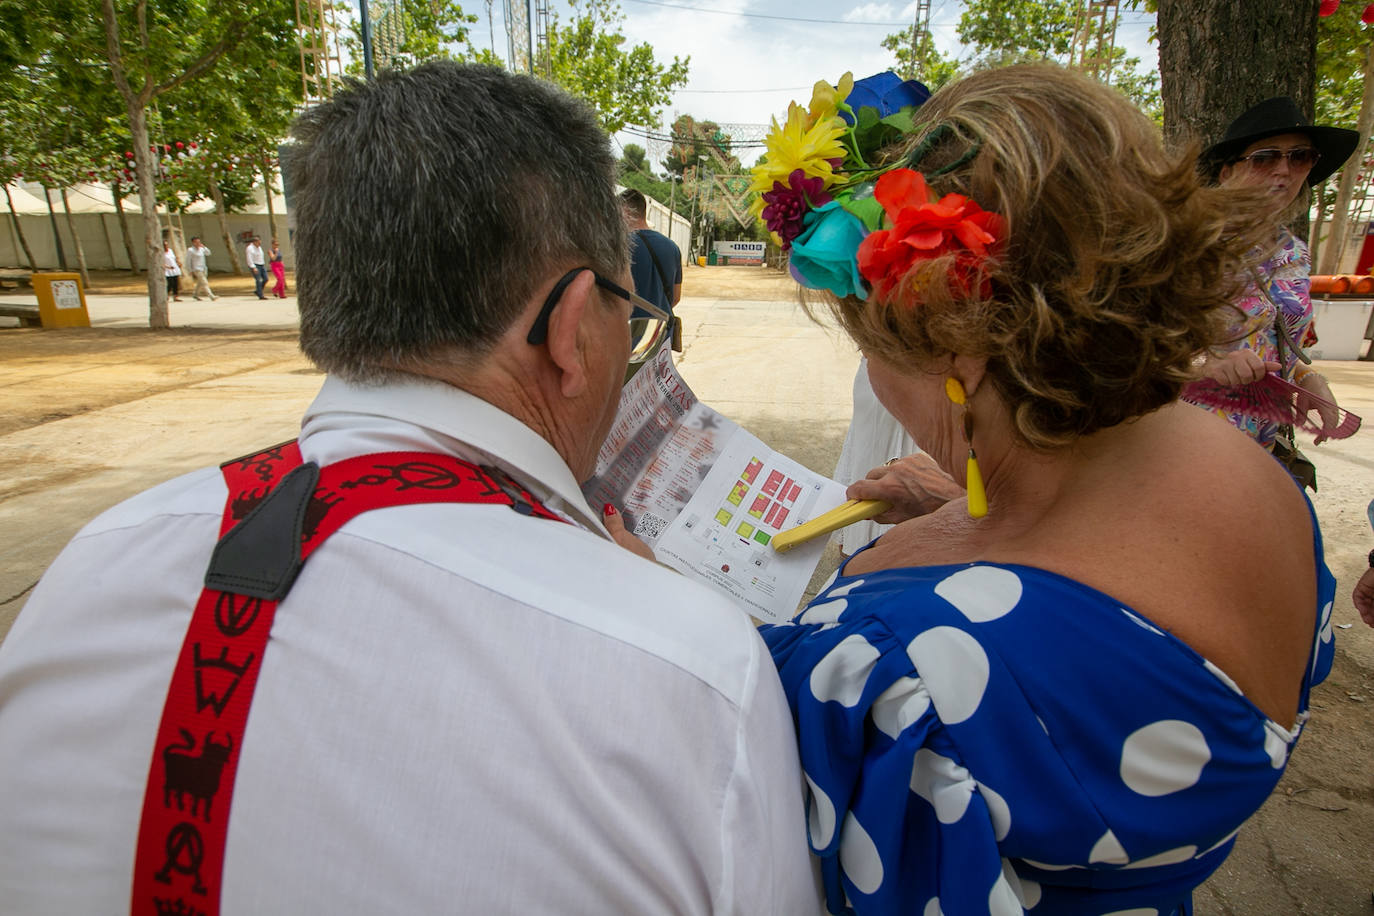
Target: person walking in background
[
  {"x": 278, "y": 271},
  {"x": 655, "y": 259},
  {"x": 257, "y": 264},
  {"x": 195, "y": 263},
  {"x": 171, "y": 269}
]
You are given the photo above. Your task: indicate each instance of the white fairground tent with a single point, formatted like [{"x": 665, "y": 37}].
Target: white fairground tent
[{"x": 96, "y": 221}]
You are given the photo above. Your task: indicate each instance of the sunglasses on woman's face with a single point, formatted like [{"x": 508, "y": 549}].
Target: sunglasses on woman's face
[{"x": 1266, "y": 160}]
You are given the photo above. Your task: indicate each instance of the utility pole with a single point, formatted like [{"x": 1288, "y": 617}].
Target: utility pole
[{"x": 920, "y": 27}]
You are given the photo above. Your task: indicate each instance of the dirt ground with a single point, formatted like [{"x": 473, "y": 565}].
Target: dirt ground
[{"x": 1310, "y": 850}]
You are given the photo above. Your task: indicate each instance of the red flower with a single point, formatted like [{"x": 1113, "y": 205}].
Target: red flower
[
  {"x": 925, "y": 228},
  {"x": 1328, "y": 7}
]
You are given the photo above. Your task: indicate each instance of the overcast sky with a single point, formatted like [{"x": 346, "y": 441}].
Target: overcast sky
[{"x": 746, "y": 67}]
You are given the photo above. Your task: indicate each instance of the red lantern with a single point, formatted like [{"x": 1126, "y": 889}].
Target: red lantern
[
  {"x": 1328, "y": 7},
  {"x": 180, "y": 145},
  {"x": 1367, "y": 17},
  {"x": 129, "y": 155}
]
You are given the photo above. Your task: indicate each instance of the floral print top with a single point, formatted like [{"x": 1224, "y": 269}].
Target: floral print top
[{"x": 1286, "y": 276}]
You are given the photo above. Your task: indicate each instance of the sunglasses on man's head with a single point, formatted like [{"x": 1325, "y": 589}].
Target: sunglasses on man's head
[
  {"x": 1304, "y": 157},
  {"x": 648, "y": 322}
]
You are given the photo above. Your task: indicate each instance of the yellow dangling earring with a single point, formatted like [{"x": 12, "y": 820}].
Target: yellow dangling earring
[{"x": 977, "y": 496}]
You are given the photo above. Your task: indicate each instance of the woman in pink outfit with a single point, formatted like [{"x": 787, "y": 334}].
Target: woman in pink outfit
[{"x": 278, "y": 271}]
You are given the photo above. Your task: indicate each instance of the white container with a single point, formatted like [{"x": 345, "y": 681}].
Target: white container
[{"x": 1340, "y": 327}]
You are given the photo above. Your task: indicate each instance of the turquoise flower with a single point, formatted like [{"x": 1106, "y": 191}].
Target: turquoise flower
[{"x": 824, "y": 255}]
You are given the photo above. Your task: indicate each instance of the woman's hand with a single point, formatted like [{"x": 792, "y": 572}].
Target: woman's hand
[
  {"x": 615, "y": 524},
  {"x": 1315, "y": 384},
  {"x": 914, "y": 485},
  {"x": 1237, "y": 367}
]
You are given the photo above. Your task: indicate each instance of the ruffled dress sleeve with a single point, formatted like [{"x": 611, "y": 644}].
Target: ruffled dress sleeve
[{"x": 913, "y": 822}]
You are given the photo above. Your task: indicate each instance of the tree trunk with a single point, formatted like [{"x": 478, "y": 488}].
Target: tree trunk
[
  {"x": 147, "y": 202},
  {"x": 1350, "y": 173},
  {"x": 224, "y": 228},
  {"x": 267, "y": 193},
  {"x": 76, "y": 241},
  {"x": 18, "y": 232},
  {"x": 1219, "y": 57},
  {"x": 124, "y": 228}
]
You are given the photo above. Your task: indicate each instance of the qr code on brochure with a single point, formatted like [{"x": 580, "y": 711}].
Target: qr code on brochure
[{"x": 649, "y": 525}]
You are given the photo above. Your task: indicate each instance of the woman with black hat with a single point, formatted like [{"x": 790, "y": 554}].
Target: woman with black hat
[{"x": 1273, "y": 148}]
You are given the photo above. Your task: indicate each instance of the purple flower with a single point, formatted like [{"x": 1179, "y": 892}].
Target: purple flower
[
  {"x": 786, "y": 205},
  {"x": 887, "y": 93}
]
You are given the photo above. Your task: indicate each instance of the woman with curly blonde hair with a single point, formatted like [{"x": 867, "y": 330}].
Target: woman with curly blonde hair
[{"x": 1066, "y": 692}]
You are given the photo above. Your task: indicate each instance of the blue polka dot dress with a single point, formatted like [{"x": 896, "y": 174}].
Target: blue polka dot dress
[{"x": 987, "y": 739}]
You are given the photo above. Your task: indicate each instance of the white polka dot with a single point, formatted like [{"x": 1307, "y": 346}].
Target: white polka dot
[
  {"x": 1027, "y": 891},
  {"x": 1221, "y": 675},
  {"x": 898, "y": 707},
  {"x": 859, "y": 856},
  {"x": 1275, "y": 744},
  {"x": 933, "y": 908},
  {"x": 1142, "y": 622},
  {"x": 845, "y": 589},
  {"x": 1043, "y": 727},
  {"x": 1163, "y": 757},
  {"x": 1002, "y": 900},
  {"x": 1325, "y": 632},
  {"x": 820, "y": 817},
  {"x": 942, "y": 782},
  {"x": 1045, "y": 866},
  {"x": 954, "y": 668},
  {"x": 998, "y": 812},
  {"x": 981, "y": 593},
  {"x": 825, "y": 612},
  {"x": 1108, "y": 849},
  {"x": 842, "y": 674},
  {"x": 1169, "y": 857},
  {"x": 1224, "y": 840},
  {"x": 1140, "y": 911}
]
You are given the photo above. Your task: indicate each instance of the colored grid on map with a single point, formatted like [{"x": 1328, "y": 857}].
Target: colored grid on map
[
  {"x": 741, "y": 489},
  {"x": 745, "y": 529},
  {"x": 770, "y": 486},
  {"x": 760, "y": 503},
  {"x": 751, "y": 473},
  {"x": 793, "y": 493},
  {"x": 723, "y": 516},
  {"x": 762, "y": 537},
  {"x": 772, "y": 514}
]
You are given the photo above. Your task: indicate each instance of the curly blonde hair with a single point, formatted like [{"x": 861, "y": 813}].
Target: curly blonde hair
[{"x": 1118, "y": 265}]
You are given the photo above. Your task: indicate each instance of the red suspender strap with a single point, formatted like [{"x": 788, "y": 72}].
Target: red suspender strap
[{"x": 278, "y": 512}]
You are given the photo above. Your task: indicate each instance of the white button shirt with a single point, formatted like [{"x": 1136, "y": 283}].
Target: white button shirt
[{"x": 460, "y": 710}]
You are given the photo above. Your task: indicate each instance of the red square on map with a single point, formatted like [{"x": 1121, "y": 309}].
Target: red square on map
[
  {"x": 771, "y": 485},
  {"x": 752, "y": 471}
]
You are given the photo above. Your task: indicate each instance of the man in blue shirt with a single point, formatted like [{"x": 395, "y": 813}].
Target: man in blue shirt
[{"x": 655, "y": 261}]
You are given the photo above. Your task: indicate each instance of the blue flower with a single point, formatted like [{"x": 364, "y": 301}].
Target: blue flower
[
  {"x": 887, "y": 93},
  {"x": 824, "y": 256}
]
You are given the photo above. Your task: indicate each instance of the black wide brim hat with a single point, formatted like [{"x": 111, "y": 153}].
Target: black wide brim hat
[{"x": 1271, "y": 118}]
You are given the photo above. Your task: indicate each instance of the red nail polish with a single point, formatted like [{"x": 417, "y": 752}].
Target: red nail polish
[{"x": 608, "y": 509}]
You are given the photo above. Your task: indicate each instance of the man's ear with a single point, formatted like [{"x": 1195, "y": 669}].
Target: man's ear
[
  {"x": 970, "y": 371},
  {"x": 565, "y": 325}
]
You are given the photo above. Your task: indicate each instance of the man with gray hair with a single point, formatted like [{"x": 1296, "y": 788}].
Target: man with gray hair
[{"x": 472, "y": 698}]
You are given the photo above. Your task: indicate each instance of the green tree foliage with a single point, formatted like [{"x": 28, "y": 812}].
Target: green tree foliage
[
  {"x": 923, "y": 61},
  {"x": 588, "y": 56},
  {"x": 701, "y": 144},
  {"x": 1003, "y": 32},
  {"x": 410, "y": 32},
  {"x": 147, "y": 52},
  {"x": 1341, "y": 45}
]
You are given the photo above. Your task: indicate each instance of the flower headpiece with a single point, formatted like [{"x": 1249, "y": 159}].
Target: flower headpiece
[{"x": 853, "y": 227}]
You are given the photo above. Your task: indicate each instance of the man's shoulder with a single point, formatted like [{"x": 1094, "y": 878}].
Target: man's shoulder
[{"x": 656, "y": 239}]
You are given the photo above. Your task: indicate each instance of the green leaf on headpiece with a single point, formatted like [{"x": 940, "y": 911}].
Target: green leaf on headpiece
[
  {"x": 902, "y": 120},
  {"x": 864, "y": 206}
]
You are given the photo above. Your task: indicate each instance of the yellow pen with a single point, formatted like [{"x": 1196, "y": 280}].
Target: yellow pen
[{"x": 856, "y": 510}]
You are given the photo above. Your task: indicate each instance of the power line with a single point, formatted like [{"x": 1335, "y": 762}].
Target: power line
[{"x": 697, "y": 9}]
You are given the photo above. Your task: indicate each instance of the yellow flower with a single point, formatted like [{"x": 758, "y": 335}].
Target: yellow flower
[
  {"x": 797, "y": 145},
  {"x": 826, "y": 99}
]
